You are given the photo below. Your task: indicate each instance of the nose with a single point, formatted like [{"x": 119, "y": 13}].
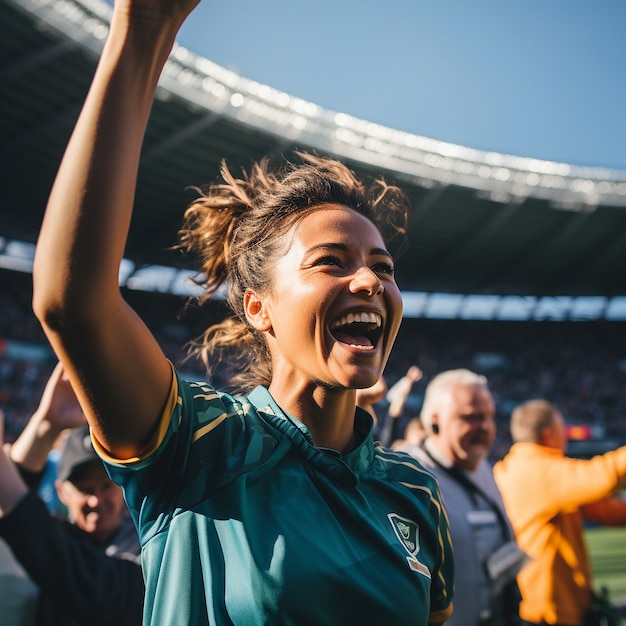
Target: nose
[
  {"x": 365, "y": 279},
  {"x": 92, "y": 500}
]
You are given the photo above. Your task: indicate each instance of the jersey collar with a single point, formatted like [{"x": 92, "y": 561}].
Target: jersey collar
[{"x": 341, "y": 468}]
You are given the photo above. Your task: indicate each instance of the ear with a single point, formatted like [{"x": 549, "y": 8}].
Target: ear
[
  {"x": 545, "y": 437},
  {"x": 434, "y": 425},
  {"x": 60, "y": 487},
  {"x": 256, "y": 311}
]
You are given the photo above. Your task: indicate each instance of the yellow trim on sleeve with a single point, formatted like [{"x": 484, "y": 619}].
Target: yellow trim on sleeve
[
  {"x": 158, "y": 436},
  {"x": 439, "y": 617}
]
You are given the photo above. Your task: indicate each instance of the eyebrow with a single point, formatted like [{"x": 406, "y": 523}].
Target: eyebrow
[{"x": 344, "y": 248}]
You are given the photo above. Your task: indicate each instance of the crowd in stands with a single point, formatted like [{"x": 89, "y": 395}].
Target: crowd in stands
[{"x": 579, "y": 366}]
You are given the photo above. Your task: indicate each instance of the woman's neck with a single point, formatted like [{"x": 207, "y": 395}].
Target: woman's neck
[{"x": 327, "y": 413}]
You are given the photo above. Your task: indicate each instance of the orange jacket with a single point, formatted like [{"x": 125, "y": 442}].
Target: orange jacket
[{"x": 546, "y": 494}]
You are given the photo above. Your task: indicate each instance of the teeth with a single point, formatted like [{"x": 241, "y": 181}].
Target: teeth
[{"x": 362, "y": 317}]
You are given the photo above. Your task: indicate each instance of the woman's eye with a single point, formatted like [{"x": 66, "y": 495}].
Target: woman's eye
[
  {"x": 384, "y": 268},
  {"x": 328, "y": 260}
]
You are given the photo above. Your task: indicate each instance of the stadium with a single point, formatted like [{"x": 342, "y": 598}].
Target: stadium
[
  {"x": 514, "y": 266},
  {"x": 500, "y": 246}
]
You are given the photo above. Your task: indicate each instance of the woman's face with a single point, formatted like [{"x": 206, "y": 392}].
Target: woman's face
[{"x": 334, "y": 308}]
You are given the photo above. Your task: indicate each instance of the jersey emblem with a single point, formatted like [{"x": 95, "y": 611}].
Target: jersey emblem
[{"x": 407, "y": 531}]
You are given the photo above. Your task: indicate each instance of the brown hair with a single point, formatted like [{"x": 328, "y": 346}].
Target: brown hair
[{"x": 236, "y": 228}]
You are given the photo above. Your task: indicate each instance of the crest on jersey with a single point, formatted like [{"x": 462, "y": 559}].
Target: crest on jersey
[{"x": 407, "y": 531}]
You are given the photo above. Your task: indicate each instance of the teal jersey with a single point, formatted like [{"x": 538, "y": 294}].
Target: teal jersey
[{"x": 243, "y": 522}]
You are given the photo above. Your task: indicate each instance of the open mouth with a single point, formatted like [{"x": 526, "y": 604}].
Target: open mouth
[{"x": 358, "y": 330}]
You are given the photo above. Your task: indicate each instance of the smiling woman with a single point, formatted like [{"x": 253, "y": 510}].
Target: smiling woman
[
  {"x": 275, "y": 505},
  {"x": 279, "y": 238}
]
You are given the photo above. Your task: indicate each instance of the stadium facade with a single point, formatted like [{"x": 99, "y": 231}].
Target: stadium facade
[{"x": 491, "y": 235}]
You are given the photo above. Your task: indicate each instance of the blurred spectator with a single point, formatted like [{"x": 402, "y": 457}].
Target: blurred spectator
[
  {"x": 369, "y": 397},
  {"x": 87, "y": 569},
  {"x": 18, "y": 593},
  {"x": 547, "y": 496},
  {"x": 395, "y": 422},
  {"x": 414, "y": 434},
  {"x": 458, "y": 416},
  {"x": 391, "y": 425}
]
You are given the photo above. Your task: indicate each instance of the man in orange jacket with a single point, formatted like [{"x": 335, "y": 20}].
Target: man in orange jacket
[{"x": 547, "y": 496}]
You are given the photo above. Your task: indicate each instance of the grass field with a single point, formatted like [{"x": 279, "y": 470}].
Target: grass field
[{"x": 607, "y": 548}]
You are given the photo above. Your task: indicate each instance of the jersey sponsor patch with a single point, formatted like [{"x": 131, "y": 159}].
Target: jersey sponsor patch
[{"x": 407, "y": 532}]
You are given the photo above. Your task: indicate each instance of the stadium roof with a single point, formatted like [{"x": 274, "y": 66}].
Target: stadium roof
[{"x": 483, "y": 222}]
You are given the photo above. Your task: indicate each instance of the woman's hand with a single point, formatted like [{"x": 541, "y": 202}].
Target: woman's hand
[{"x": 148, "y": 15}]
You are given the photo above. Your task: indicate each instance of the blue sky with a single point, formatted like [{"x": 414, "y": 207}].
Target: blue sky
[{"x": 538, "y": 78}]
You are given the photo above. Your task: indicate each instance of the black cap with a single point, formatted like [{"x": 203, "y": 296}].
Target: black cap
[{"x": 77, "y": 451}]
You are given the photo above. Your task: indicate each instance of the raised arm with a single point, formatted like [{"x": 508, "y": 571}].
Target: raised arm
[
  {"x": 116, "y": 367},
  {"x": 399, "y": 393}
]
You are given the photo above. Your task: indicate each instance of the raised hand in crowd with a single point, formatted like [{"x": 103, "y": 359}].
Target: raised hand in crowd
[{"x": 58, "y": 410}]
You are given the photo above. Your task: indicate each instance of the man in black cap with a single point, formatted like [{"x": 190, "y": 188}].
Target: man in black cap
[
  {"x": 86, "y": 566},
  {"x": 94, "y": 502}
]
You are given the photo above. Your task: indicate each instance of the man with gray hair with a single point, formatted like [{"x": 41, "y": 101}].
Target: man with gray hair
[{"x": 458, "y": 415}]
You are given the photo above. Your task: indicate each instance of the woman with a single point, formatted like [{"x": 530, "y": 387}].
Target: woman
[{"x": 273, "y": 507}]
